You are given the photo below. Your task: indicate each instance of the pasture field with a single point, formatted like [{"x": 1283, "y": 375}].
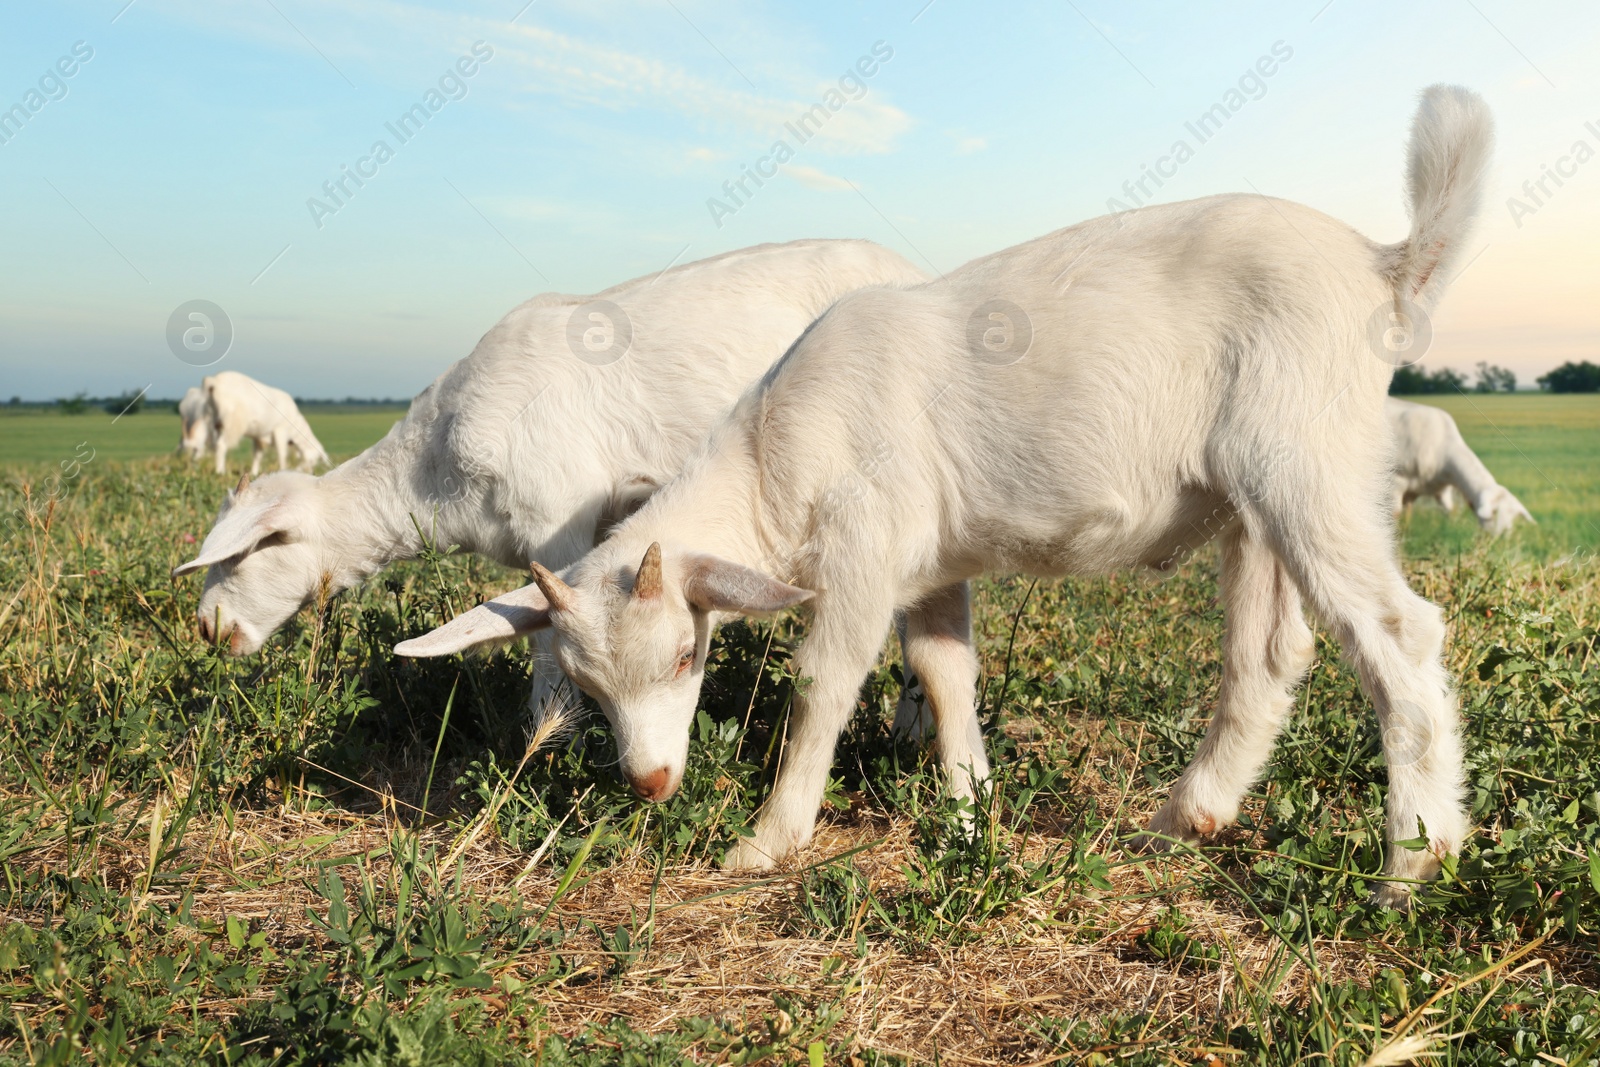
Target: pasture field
[
  {"x": 31, "y": 436},
  {"x": 325, "y": 855}
]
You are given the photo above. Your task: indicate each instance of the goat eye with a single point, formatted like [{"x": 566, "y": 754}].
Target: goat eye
[{"x": 685, "y": 661}]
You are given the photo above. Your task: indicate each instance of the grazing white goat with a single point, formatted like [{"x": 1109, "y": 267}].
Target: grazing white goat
[
  {"x": 566, "y": 415},
  {"x": 194, "y": 440},
  {"x": 242, "y": 407},
  {"x": 1431, "y": 459},
  {"x": 1079, "y": 403}
]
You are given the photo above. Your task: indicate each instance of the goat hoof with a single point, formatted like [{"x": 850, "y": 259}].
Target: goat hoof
[
  {"x": 1392, "y": 895},
  {"x": 1168, "y": 825},
  {"x": 749, "y": 856},
  {"x": 1411, "y": 868}
]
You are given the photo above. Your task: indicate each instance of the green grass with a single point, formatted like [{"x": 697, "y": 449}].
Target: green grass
[
  {"x": 324, "y": 855},
  {"x": 48, "y": 437}
]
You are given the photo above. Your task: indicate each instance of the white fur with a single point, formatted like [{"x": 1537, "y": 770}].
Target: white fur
[
  {"x": 194, "y": 439},
  {"x": 1432, "y": 459},
  {"x": 523, "y": 450},
  {"x": 241, "y": 407},
  {"x": 1446, "y": 166},
  {"x": 1187, "y": 361}
]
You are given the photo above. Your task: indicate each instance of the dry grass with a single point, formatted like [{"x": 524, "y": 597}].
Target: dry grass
[{"x": 977, "y": 1002}]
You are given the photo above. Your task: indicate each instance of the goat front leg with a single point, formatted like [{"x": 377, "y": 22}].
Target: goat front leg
[
  {"x": 550, "y": 689},
  {"x": 835, "y": 657}
]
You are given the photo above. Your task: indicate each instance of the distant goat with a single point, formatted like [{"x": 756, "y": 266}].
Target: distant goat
[
  {"x": 1072, "y": 405},
  {"x": 194, "y": 439},
  {"x": 567, "y": 414},
  {"x": 1432, "y": 459},
  {"x": 242, "y": 407}
]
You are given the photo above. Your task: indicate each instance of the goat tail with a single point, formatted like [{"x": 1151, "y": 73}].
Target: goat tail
[{"x": 1447, "y": 162}]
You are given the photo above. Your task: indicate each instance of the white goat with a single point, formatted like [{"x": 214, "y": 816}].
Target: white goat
[
  {"x": 1432, "y": 459},
  {"x": 242, "y": 407},
  {"x": 1071, "y": 405},
  {"x": 566, "y": 415},
  {"x": 194, "y": 439}
]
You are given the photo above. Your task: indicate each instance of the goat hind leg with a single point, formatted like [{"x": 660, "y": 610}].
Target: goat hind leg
[
  {"x": 938, "y": 645},
  {"x": 1346, "y": 568},
  {"x": 1266, "y": 649},
  {"x": 912, "y": 720}
]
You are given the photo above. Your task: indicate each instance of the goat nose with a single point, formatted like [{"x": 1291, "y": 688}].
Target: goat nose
[
  {"x": 652, "y": 786},
  {"x": 205, "y": 628}
]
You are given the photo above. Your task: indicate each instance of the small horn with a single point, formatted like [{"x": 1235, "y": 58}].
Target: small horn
[
  {"x": 557, "y": 592},
  {"x": 647, "y": 583},
  {"x": 244, "y": 483}
]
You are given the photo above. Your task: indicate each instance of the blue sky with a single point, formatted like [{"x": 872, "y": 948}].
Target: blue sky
[{"x": 177, "y": 162}]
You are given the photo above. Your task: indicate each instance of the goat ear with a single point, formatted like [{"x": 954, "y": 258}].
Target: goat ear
[
  {"x": 713, "y": 584},
  {"x": 506, "y": 617},
  {"x": 239, "y": 529}
]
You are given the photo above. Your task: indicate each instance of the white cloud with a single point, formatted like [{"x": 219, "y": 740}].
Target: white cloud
[
  {"x": 541, "y": 209},
  {"x": 568, "y": 67},
  {"x": 598, "y": 75},
  {"x": 528, "y": 208},
  {"x": 864, "y": 127},
  {"x": 812, "y": 178}
]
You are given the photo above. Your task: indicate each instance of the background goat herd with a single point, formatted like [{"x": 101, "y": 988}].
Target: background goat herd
[{"x": 1084, "y": 815}]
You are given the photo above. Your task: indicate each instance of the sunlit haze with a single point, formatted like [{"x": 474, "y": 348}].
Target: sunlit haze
[{"x": 205, "y": 150}]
